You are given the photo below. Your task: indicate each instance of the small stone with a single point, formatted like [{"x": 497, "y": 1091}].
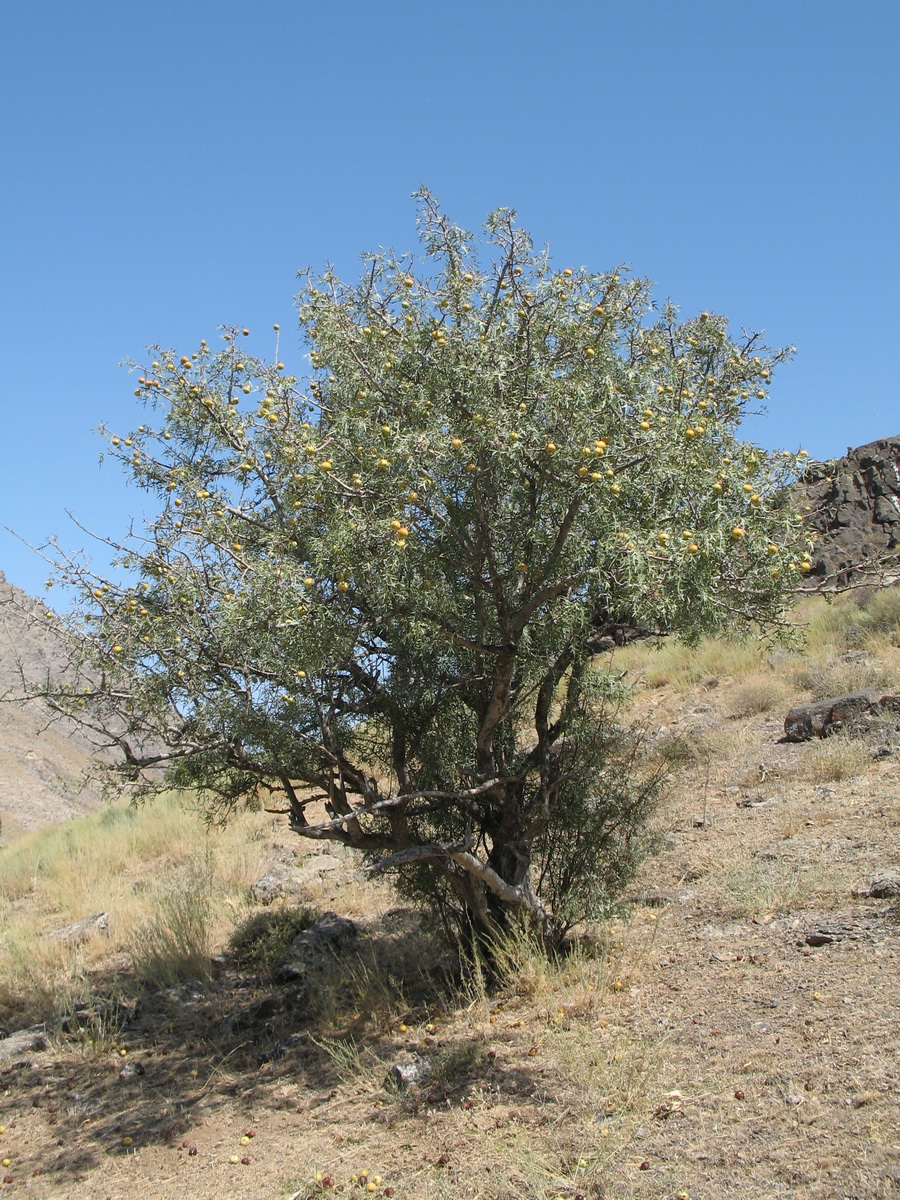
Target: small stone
[{"x": 409, "y": 1074}]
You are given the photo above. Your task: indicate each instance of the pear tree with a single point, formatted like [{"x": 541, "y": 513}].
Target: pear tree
[{"x": 368, "y": 595}]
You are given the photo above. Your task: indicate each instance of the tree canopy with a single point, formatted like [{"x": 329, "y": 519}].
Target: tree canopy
[{"x": 374, "y": 588}]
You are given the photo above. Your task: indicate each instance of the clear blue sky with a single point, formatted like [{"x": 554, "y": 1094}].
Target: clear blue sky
[{"x": 168, "y": 167}]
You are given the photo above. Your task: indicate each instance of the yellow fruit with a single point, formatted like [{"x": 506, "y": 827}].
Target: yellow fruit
[
  {"x": 385, "y": 429},
  {"x": 408, "y": 282},
  {"x": 717, "y": 487},
  {"x": 403, "y": 532},
  {"x": 590, "y": 352},
  {"x": 693, "y": 548},
  {"x": 550, "y": 447},
  {"x": 583, "y": 471},
  {"x": 343, "y": 585},
  {"x": 615, "y": 489},
  {"x": 384, "y": 463},
  {"x": 456, "y": 443},
  {"x": 737, "y": 533},
  {"x": 521, "y": 567},
  {"x": 396, "y": 524},
  {"x": 662, "y": 538},
  {"x": 645, "y": 424},
  {"x": 690, "y": 433}
]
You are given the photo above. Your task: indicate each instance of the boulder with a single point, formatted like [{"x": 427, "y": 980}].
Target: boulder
[
  {"x": 279, "y": 880},
  {"x": 824, "y": 717},
  {"x": 26, "y": 1041},
  {"x": 329, "y": 935},
  {"x": 80, "y": 931},
  {"x": 884, "y": 884},
  {"x": 409, "y": 1074}
]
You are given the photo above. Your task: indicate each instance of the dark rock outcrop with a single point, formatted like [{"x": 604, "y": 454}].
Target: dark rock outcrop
[
  {"x": 824, "y": 717},
  {"x": 855, "y": 510}
]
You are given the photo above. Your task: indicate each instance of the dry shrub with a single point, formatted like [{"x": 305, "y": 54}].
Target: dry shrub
[
  {"x": 174, "y": 944},
  {"x": 882, "y": 613},
  {"x": 759, "y": 693},
  {"x": 837, "y": 676},
  {"x": 681, "y": 749},
  {"x": 264, "y": 937}
]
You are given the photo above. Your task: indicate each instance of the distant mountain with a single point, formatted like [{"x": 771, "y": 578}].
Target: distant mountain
[{"x": 42, "y": 758}]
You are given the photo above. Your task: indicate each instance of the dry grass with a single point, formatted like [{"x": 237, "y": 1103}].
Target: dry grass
[
  {"x": 758, "y": 888},
  {"x": 676, "y": 665},
  {"x": 825, "y": 630},
  {"x": 836, "y": 758},
  {"x": 171, "y": 886}
]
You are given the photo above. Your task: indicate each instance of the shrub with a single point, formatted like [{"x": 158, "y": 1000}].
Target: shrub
[
  {"x": 263, "y": 938},
  {"x": 376, "y": 588}
]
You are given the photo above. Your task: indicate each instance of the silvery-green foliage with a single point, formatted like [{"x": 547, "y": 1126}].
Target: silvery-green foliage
[{"x": 371, "y": 590}]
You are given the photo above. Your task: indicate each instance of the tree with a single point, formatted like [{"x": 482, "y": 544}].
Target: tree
[{"x": 376, "y": 588}]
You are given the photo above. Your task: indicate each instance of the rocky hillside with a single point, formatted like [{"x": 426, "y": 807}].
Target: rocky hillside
[{"x": 42, "y": 760}]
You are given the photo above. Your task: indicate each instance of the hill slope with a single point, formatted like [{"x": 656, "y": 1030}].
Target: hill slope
[{"x": 42, "y": 759}]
